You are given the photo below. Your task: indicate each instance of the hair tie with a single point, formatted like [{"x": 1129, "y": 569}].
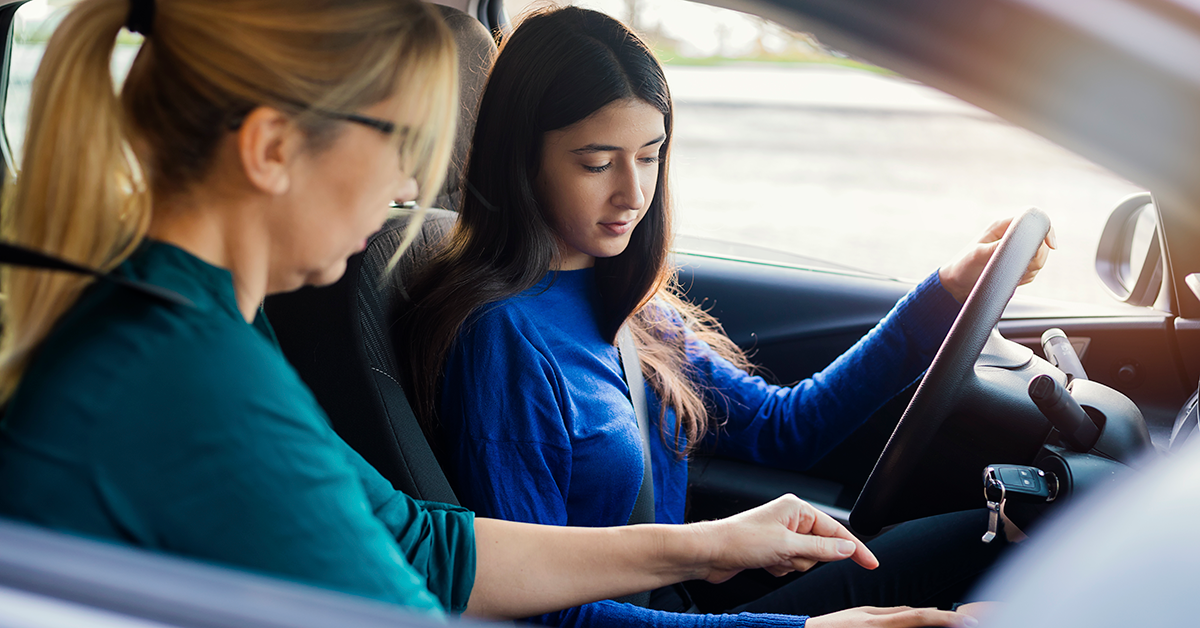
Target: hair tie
[{"x": 141, "y": 17}]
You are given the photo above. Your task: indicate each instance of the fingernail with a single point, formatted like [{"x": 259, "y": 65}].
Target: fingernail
[
  {"x": 846, "y": 548},
  {"x": 969, "y": 622},
  {"x": 1053, "y": 240}
]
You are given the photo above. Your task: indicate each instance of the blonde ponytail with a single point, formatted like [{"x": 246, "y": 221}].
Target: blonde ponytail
[
  {"x": 79, "y": 193},
  {"x": 93, "y": 160}
]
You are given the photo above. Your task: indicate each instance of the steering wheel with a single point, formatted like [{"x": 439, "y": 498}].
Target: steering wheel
[{"x": 942, "y": 387}]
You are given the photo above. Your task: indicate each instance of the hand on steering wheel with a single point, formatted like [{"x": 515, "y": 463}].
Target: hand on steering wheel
[
  {"x": 1014, "y": 258},
  {"x": 961, "y": 275}
]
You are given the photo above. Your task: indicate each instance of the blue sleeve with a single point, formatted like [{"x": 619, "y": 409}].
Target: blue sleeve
[
  {"x": 509, "y": 450},
  {"x": 510, "y": 453},
  {"x": 609, "y": 614},
  {"x": 793, "y": 427}
]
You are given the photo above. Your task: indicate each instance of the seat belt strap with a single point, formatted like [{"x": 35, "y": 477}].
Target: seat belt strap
[
  {"x": 13, "y": 255},
  {"x": 643, "y": 506}
]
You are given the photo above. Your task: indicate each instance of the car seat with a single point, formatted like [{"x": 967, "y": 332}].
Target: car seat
[{"x": 338, "y": 337}]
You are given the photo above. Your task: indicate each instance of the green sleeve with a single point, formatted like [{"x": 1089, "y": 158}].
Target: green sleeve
[
  {"x": 241, "y": 468},
  {"x": 438, "y": 540}
]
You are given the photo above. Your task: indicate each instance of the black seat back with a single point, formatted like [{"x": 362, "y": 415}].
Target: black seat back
[{"x": 339, "y": 338}]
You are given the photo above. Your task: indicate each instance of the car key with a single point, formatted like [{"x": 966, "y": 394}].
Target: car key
[
  {"x": 1002, "y": 482},
  {"x": 994, "y": 494}
]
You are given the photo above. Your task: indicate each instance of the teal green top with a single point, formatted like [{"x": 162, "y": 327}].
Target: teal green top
[{"x": 185, "y": 430}]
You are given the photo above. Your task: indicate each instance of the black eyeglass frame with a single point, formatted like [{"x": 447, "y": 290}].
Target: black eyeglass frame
[{"x": 383, "y": 126}]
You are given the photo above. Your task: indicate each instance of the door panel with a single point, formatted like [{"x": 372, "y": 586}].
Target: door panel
[{"x": 793, "y": 321}]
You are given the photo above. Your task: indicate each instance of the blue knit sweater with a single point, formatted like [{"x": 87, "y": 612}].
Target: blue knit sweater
[{"x": 539, "y": 427}]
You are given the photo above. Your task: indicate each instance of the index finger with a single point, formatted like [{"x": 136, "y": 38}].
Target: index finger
[{"x": 824, "y": 525}]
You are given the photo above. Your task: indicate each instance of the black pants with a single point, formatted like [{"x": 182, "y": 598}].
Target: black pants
[{"x": 934, "y": 561}]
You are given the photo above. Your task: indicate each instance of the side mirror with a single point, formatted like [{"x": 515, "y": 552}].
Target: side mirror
[{"x": 1129, "y": 258}]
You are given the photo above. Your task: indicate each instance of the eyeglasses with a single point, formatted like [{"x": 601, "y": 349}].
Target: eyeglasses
[{"x": 383, "y": 126}]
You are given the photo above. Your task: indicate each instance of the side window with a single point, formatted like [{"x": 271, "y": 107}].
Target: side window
[
  {"x": 786, "y": 150},
  {"x": 35, "y": 21}
]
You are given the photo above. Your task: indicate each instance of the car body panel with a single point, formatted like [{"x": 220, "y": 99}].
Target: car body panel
[{"x": 108, "y": 583}]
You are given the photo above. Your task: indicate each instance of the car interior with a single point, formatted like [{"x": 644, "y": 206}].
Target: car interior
[
  {"x": 925, "y": 451},
  {"x": 340, "y": 340}
]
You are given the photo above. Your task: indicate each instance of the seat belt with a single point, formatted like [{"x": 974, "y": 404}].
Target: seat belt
[
  {"x": 13, "y": 255},
  {"x": 643, "y": 506}
]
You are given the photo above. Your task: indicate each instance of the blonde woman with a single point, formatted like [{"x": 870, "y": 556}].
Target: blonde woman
[{"x": 254, "y": 146}]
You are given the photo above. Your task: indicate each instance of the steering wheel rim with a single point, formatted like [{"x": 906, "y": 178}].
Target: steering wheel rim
[{"x": 938, "y": 392}]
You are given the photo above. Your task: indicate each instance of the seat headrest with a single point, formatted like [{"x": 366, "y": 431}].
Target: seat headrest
[
  {"x": 476, "y": 53},
  {"x": 430, "y": 238}
]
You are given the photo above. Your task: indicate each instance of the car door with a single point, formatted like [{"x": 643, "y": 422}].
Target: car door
[{"x": 794, "y": 321}]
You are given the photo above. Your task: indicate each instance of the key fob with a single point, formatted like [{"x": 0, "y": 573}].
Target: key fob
[
  {"x": 1022, "y": 483},
  {"x": 1003, "y": 482}
]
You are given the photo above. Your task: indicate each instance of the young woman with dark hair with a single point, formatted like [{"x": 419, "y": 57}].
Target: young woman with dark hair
[{"x": 562, "y": 240}]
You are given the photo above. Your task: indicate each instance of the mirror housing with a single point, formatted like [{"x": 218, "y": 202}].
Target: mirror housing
[{"x": 1129, "y": 257}]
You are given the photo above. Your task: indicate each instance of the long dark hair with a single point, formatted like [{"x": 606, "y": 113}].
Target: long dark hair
[{"x": 557, "y": 68}]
